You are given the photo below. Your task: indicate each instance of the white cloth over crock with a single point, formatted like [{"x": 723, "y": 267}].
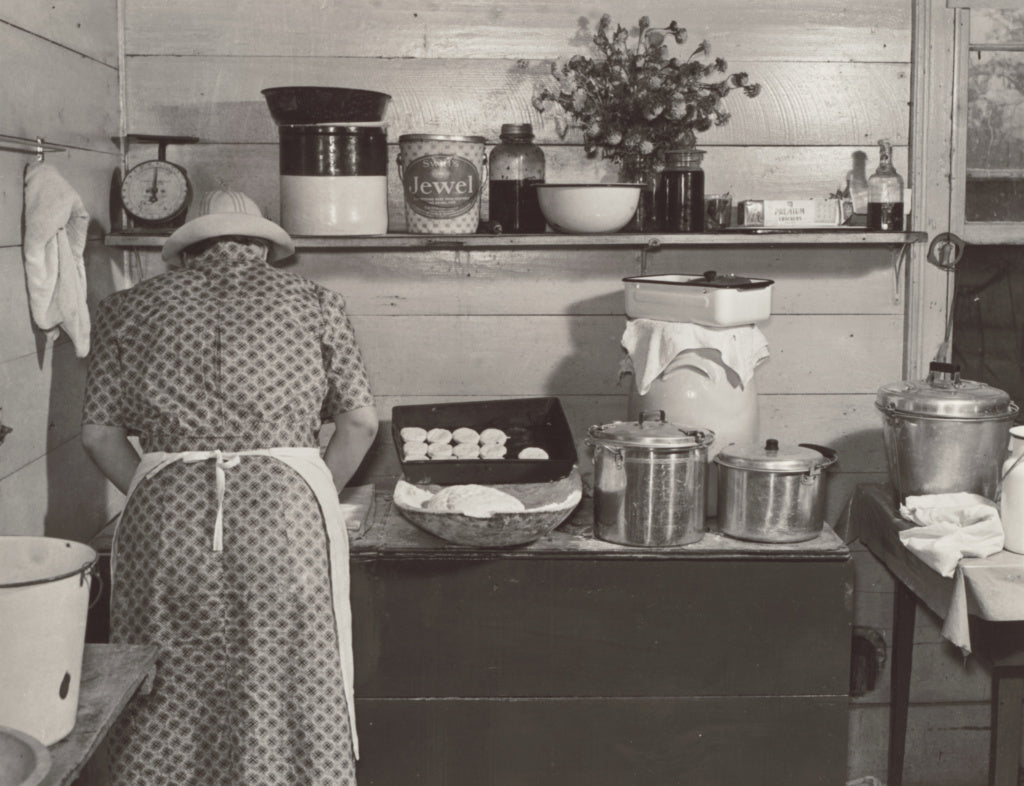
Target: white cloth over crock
[
  {"x": 56, "y": 225},
  {"x": 950, "y": 527},
  {"x": 653, "y": 344},
  {"x": 309, "y": 464}
]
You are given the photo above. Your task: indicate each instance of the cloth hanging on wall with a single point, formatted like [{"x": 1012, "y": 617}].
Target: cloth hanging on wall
[{"x": 56, "y": 225}]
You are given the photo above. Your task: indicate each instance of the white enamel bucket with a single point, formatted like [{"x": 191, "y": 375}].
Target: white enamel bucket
[{"x": 44, "y": 602}]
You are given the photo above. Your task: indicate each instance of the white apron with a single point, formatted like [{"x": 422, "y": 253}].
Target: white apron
[{"x": 309, "y": 464}]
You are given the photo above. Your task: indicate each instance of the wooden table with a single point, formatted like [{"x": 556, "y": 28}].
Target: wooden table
[
  {"x": 573, "y": 660},
  {"x": 996, "y": 638},
  {"x": 111, "y": 675}
]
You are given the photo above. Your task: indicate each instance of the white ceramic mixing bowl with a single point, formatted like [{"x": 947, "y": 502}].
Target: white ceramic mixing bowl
[{"x": 588, "y": 208}]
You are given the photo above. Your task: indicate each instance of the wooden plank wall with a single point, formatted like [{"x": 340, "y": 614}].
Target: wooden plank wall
[
  {"x": 61, "y": 84},
  {"x": 445, "y": 325}
]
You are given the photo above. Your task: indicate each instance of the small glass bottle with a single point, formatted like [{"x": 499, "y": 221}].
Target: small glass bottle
[
  {"x": 679, "y": 200},
  {"x": 885, "y": 193},
  {"x": 857, "y": 190},
  {"x": 516, "y": 165}
]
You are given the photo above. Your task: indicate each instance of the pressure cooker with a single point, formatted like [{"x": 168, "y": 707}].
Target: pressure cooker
[
  {"x": 944, "y": 434},
  {"x": 771, "y": 492},
  {"x": 649, "y": 479}
]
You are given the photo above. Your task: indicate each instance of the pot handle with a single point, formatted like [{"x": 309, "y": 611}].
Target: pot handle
[
  {"x": 828, "y": 453},
  {"x": 647, "y": 414}
]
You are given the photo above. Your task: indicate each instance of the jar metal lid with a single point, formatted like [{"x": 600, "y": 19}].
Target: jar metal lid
[
  {"x": 945, "y": 395},
  {"x": 649, "y": 433},
  {"x": 770, "y": 456},
  {"x": 517, "y": 129}
]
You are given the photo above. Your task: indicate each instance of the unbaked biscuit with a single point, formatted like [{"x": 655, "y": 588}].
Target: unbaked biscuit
[
  {"x": 413, "y": 434},
  {"x": 493, "y": 450},
  {"x": 466, "y": 450},
  {"x": 466, "y": 434},
  {"x": 493, "y": 436},
  {"x": 533, "y": 453},
  {"x": 436, "y": 435},
  {"x": 415, "y": 450},
  {"x": 439, "y": 450}
]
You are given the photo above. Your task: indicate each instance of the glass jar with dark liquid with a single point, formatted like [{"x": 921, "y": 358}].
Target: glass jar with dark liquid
[
  {"x": 885, "y": 193},
  {"x": 516, "y": 165},
  {"x": 679, "y": 200}
]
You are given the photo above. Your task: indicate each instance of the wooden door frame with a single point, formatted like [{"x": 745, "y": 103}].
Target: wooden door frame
[{"x": 938, "y": 33}]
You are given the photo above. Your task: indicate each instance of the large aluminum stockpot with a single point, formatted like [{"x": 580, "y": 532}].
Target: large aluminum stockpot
[
  {"x": 945, "y": 434},
  {"x": 649, "y": 481},
  {"x": 771, "y": 493}
]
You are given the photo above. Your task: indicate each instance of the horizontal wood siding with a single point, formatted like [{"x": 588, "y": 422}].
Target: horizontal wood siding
[
  {"x": 811, "y": 30},
  {"x": 61, "y": 85}
]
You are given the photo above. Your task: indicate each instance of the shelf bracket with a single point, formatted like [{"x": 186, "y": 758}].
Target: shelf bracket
[
  {"x": 900, "y": 254},
  {"x": 652, "y": 244}
]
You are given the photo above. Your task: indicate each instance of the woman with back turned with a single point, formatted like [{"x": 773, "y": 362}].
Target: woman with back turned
[{"x": 231, "y": 555}]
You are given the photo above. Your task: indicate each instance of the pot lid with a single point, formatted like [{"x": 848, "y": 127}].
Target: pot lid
[
  {"x": 770, "y": 456},
  {"x": 944, "y": 395},
  {"x": 651, "y": 431}
]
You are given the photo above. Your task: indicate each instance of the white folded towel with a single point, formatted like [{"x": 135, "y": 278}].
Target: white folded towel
[
  {"x": 951, "y": 526},
  {"x": 56, "y": 225},
  {"x": 653, "y": 344}
]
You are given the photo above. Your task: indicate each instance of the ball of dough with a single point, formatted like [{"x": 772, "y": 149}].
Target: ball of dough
[
  {"x": 493, "y": 450},
  {"x": 533, "y": 453},
  {"x": 413, "y": 434},
  {"x": 436, "y": 435},
  {"x": 439, "y": 450},
  {"x": 493, "y": 436},
  {"x": 465, "y": 434},
  {"x": 474, "y": 500},
  {"x": 415, "y": 450},
  {"x": 466, "y": 450}
]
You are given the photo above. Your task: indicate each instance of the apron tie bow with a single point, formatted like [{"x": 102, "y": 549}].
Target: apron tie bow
[{"x": 223, "y": 461}]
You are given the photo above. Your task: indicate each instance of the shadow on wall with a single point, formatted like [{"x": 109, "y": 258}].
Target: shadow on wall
[{"x": 80, "y": 502}]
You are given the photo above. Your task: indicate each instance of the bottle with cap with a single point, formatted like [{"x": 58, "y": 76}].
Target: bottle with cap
[
  {"x": 516, "y": 165},
  {"x": 885, "y": 193}
]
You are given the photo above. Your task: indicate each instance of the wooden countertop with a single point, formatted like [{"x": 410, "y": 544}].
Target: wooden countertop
[
  {"x": 386, "y": 533},
  {"x": 111, "y": 675}
]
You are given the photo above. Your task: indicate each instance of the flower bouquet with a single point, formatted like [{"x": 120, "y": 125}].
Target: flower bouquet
[{"x": 636, "y": 102}]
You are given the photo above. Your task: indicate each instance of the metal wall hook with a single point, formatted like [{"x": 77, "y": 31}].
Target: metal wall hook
[
  {"x": 946, "y": 250},
  {"x": 21, "y": 144}
]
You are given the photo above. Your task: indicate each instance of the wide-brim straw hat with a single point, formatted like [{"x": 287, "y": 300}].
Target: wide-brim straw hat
[{"x": 226, "y": 213}]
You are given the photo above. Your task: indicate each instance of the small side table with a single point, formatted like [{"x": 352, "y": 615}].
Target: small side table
[
  {"x": 111, "y": 675},
  {"x": 996, "y": 624}
]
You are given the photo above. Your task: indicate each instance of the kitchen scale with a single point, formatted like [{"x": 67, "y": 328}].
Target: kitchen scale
[{"x": 155, "y": 194}]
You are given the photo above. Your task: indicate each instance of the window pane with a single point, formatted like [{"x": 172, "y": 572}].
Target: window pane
[{"x": 995, "y": 118}]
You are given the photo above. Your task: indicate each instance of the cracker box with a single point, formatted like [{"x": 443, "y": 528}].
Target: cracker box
[{"x": 797, "y": 213}]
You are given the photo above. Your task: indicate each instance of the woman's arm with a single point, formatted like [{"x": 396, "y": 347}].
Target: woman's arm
[
  {"x": 353, "y": 434},
  {"x": 110, "y": 450}
]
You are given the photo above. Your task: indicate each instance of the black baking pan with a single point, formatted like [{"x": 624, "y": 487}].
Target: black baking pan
[{"x": 537, "y": 422}]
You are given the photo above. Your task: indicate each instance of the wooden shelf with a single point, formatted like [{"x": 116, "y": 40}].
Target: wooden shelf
[{"x": 398, "y": 242}]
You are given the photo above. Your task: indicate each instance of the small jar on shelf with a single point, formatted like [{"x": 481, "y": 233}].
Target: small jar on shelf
[{"x": 516, "y": 166}]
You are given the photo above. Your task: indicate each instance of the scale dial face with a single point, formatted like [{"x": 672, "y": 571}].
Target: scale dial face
[{"x": 155, "y": 191}]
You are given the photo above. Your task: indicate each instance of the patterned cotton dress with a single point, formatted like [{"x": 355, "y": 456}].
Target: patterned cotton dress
[{"x": 227, "y": 353}]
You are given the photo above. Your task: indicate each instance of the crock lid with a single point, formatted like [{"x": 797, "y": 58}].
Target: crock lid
[
  {"x": 648, "y": 432},
  {"x": 441, "y": 138},
  {"x": 944, "y": 395},
  {"x": 710, "y": 279},
  {"x": 770, "y": 456}
]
